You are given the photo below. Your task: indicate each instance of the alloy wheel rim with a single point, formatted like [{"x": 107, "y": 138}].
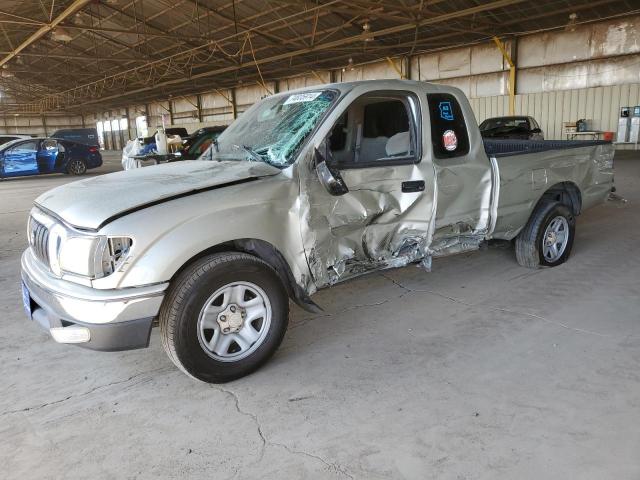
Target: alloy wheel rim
[
  {"x": 234, "y": 321},
  {"x": 77, "y": 167},
  {"x": 555, "y": 239}
]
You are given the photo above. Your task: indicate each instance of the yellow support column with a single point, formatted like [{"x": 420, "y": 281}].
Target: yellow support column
[
  {"x": 395, "y": 67},
  {"x": 512, "y": 75},
  {"x": 322, "y": 80}
]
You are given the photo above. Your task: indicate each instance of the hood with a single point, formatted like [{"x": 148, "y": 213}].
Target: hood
[{"x": 91, "y": 203}]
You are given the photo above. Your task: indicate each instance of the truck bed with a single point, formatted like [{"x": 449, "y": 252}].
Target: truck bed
[
  {"x": 527, "y": 168},
  {"x": 507, "y": 148}
]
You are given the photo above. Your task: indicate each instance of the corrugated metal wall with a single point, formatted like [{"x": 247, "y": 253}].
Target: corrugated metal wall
[
  {"x": 600, "y": 105},
  {"x": 38, "y": 125}
]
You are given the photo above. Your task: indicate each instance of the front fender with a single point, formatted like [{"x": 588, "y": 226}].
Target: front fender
[{"x": 168, "y": 235}]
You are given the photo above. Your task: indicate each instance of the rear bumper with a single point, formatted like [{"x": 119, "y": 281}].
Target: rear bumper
[
  {"x": 94, "y": 161},
  {"x": 108, "y": 320}
]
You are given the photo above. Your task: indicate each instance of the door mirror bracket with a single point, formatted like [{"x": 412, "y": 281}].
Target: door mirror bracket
[{"x": 329, "y": 177}]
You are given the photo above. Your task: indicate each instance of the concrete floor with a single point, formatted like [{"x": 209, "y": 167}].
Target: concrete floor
[{"x": 479, "y": 370}]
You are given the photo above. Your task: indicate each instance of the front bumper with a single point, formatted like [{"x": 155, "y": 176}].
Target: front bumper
[{"x": 108, "y": 320}]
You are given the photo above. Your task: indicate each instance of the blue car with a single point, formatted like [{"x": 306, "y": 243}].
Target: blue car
[{"x": 47, "y": 155}]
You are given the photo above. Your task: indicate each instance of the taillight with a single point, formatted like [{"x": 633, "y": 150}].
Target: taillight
[{"x": 93, "y": 149}]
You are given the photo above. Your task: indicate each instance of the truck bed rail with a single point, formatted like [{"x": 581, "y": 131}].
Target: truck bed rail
[{"x": 505, "y": 148}]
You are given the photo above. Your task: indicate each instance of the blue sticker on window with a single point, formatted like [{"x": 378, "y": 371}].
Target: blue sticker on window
[{"x": 446, "y": 111}]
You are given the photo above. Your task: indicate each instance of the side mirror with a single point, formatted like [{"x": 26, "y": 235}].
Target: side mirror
[{"x": 330, "y": 178}]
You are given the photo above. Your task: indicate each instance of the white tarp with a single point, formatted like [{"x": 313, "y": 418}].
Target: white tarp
[{"x": 130, "y": 149}]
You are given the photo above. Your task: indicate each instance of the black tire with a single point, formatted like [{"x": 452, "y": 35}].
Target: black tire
[
  {"x": 76, "y": 166},
  {"x": 187, "y": 295},
  {"x": 529, "y": 243}
]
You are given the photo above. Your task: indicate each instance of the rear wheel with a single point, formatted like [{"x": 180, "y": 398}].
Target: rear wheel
[
  {"x": 224, "y": 316},
  {"x": 547, "y": 239},
  {"x": 76, "y": 166}
]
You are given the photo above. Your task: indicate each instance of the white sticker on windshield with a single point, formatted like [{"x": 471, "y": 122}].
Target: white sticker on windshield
[{"x": 302, "y": 97}]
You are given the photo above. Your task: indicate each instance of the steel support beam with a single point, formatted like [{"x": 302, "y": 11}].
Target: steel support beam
[
  {"x": 128, "y": 123},
  {"x": 407, "y": 63},
  {"x": 70, "y": 10},
  {"x": 170, "y": 102},
  {"x": 319, "y": 47},
  {"x": 199, "y": 106},
  {"x": 234, "y": 111}
]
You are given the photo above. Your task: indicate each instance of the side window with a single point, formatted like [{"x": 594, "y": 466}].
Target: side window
[
  {"x": 377, "y": 129},
  {"x": 449, "y": 135},
  {"x": 49, "y": 144},
  {"x": 26, "y": 147},
  {"x": 338, "y": 137}
]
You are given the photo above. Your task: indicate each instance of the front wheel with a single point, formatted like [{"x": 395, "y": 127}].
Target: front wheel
[
  {"x": 76, "y": 166},
  {"x": 547, "y": 239},
  {"x": 223, "y": 317}
]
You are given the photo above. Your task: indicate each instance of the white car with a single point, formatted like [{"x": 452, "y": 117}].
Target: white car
[{"x": 9, "y": 138}]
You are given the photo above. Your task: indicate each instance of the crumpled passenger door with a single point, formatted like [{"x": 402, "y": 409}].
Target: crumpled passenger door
[
  {"x": 384, "y": 220},
  {"x": 20, "y": 159}
]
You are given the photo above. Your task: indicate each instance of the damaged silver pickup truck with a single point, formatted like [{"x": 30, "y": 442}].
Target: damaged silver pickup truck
[{"x": 306, "y": 189}]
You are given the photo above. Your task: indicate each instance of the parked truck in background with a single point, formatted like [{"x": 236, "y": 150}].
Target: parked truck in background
[{"x": 306, "y": 189}]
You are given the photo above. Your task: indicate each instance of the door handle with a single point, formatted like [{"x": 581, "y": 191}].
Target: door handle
[{"x": 413, "y": 186}]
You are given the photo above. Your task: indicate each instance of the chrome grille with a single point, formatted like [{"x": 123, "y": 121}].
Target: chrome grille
[{"x": 39, "y": 240}]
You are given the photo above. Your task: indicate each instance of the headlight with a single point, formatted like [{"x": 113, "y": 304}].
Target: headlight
[
  {"x": 76, "y": 255},
  {"x": 72, "y": 252},
  {"x": 92, "y": 257}
]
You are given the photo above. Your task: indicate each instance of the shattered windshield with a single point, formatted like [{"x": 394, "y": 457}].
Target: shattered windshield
[{"x": 273, "y": 129}]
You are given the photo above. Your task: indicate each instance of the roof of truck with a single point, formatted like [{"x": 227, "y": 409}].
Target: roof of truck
[{"x": 381, "y": 84}]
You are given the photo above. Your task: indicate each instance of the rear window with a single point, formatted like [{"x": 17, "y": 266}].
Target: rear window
[{"x": 449, "y": 135}]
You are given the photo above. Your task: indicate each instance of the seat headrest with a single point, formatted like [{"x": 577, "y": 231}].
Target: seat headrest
[{"x": 398, "y": 144}]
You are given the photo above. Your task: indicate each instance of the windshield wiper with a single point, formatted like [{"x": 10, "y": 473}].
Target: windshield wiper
[{"x": 255, "y": 155}]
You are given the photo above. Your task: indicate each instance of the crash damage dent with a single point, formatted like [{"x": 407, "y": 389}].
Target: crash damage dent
[
  {"x": 350, "y": 235},
  {"x": 595, "y": 190},
  {"x": 461, "y": 196},
  {"x": 276, "y": 259},
  {"x": 259, "y": 217}
]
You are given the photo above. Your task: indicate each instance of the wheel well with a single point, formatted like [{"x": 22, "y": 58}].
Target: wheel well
[
  {"x": 566, "y": 193},
  {"x": 269, "y": 254}
]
